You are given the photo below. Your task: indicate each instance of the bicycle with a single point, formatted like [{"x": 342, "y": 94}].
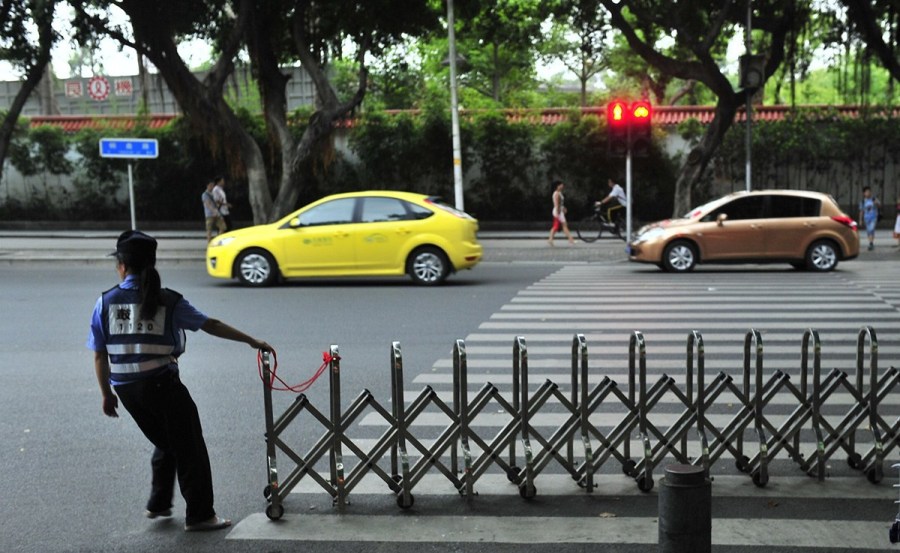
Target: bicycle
[{"x": 591, "y": 227}]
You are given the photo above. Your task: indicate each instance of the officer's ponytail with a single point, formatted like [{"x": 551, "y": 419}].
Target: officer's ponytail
[
  {"x": 151, "y": 287},
  {"x": 149, "y": 281}
]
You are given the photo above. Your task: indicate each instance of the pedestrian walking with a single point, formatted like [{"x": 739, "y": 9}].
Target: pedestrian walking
[
  {"x": 897, "y": 225},
  {"x": 137, "y": 334},
  {"x": 222, "y": 202},
  {"x": 869, "y": 209},
  {"x": 559, "y": 212},
  {"x": 211, "y": 213}
]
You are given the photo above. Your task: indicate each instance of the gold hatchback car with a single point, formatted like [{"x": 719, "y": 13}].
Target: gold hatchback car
[
  {"x": 806, "y": 229},
  {"x": 374, "y": 233}
]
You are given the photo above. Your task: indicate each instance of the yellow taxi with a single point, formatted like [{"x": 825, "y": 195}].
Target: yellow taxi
[{"x": 373, "y": 233}]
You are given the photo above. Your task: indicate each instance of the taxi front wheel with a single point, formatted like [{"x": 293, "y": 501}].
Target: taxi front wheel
[
  {"x": 428, "y": 266},
  {"x": 256, "y": 268}
]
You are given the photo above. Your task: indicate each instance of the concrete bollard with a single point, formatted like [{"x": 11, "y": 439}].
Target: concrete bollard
[{"x": 685, "y": 510}]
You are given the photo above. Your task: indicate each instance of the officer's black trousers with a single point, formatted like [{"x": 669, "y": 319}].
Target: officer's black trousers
[{"x": 163, "y": 409}]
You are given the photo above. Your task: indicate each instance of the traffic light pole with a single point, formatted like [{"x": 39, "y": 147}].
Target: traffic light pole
[{"x": 628, "y": 201}]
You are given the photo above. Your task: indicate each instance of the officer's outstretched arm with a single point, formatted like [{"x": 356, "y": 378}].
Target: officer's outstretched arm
[{"x": 219, "y": 329}]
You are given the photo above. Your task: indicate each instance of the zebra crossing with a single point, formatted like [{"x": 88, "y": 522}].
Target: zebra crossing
[{"x": 607, "y": 303}]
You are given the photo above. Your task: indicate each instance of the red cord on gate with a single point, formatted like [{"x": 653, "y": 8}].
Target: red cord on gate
[{"x": 285, "y": 387}]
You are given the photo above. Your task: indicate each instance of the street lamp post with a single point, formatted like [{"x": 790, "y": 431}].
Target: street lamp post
[
  {"x": 454, "y": 113},
  {"x": 748, "y": 184}
]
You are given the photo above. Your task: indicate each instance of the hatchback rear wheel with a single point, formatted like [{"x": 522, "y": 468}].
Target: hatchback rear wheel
[
  {"x": 679, "y": 257},
  {"x": 822, "y": 256}
]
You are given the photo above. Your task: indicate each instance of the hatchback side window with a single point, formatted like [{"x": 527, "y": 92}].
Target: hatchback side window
[
  {"x": 382, "y": 210},
  {"x": 750, "y": 207},
  {"x": 794, "y": 206},
  {"x": 335, "y": 212}
]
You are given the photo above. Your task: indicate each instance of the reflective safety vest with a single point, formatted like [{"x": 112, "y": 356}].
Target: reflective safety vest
[{"x": 139, "y": 348}]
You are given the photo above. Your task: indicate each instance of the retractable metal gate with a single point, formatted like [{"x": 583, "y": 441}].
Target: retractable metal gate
[{"x": 601, "y": 419}]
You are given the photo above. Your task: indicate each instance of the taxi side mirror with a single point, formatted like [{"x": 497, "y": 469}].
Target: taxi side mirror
[
  {"x": 295, "y": 222},
  {"x": 720, "y": 220}
]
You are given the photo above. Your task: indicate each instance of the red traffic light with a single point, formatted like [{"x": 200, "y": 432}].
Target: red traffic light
[
  {"x": 640, "y": 112},
  {"x": 616, "y": 113},
  {"x": 629, "y": 127},
  {"x": 617, "y": 128},
  {"x": 640, "y": 137}
]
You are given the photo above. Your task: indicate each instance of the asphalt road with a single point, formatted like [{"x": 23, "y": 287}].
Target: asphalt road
[{"x": 75, "y": 481}]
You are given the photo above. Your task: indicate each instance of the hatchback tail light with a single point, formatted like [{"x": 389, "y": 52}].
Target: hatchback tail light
[{"x": 845, "y": 220}]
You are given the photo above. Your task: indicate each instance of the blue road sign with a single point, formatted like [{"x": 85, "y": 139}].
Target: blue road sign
[{"x": 131, "y": 148}]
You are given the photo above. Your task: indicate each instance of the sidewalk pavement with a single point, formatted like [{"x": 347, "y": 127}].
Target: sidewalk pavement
[{"x": 184, "y": 246}]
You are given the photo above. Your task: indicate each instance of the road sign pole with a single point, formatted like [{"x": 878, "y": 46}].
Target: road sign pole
[
  {"x": 129, "y": 148},
  {"x": 131, "y": 197}
]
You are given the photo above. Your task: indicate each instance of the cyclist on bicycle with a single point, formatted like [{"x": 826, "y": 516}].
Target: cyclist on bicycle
[{"x": 615, "y": 193}]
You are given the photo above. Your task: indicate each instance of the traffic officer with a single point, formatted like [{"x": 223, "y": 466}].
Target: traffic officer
[{"x": 137, "y": 334}]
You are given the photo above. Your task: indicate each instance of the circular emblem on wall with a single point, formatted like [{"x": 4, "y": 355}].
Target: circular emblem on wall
[{"x": 98, "y": 88}]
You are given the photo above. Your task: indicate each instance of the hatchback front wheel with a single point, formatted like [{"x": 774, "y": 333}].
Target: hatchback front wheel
[{"x": 679, "y": 257}]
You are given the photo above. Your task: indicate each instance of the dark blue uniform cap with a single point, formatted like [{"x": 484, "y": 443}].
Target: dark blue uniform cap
[{"x": 136, "y": 248}]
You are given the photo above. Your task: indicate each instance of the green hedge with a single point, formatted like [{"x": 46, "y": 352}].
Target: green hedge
[{"x": 508, "y": 166}]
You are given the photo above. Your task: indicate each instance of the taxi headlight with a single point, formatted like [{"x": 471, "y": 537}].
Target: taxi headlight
[{"x": 222, "y": 241}]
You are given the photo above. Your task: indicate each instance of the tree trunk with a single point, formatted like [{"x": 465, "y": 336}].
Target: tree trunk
[
  {"x": 203, "y": 103},
  {"x": 33, "y": 75},
  {"x": 698, "y": 159},
  {"x": 495, "y": 73},
  {"x": 144, "y": 83},
  {"x": 49, "y": 105},
  {"x": 272, "y": 83}
]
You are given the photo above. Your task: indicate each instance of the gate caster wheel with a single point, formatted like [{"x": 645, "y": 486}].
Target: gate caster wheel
[
  {"x": 645, "y": 483},
  {"x": 267, "y": 492},
  {"x": 527, "y": 492},
  {"x": 873, "y": 475},
  {"x": 274, "y": 512},
  {"x": 513, "y": 473},
  {"x": 742, "y": 463},
  {"x": 854, "y": 461},
  {"x": 404, "y": 504},
  {"x": 628, "y": 468},
  {"x": 760, "y": 480}
]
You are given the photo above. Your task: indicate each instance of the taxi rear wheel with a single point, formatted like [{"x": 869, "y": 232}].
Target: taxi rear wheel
[
  {"x": 428, "y": 266},
  {"x": 256, "y": 268}
]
